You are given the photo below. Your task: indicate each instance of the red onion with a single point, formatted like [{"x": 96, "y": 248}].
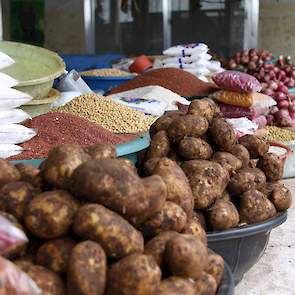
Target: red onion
[
  {"x": 269, "y": 92},
  {"x": 291, "y": 107},
  {"x": 273, "y": 110},
  {"x": 272, "y": 74},
  {"x": 283, "y": 88},
  {"x": 270, "y": 119},
  {"x": 273, "y": 85},
  {"x": 283, "y": 104},
  {"x": 276, "y": 69},
  {"x": 281, "y": 75},
  {"x": 279, "y": 96},
  {"x": 291, "y": 83}
]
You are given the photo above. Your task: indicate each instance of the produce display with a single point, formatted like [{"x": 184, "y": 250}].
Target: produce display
[
  {"x": 94, "y": 226},
  {"x": 105, "y": 72}
]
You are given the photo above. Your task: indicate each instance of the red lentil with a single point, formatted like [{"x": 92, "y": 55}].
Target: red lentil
[{"x": 61, "y": 128}]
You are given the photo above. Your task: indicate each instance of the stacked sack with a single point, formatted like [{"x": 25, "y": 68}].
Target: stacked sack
[
  {"x": 193, "y": 58},
  {"x": 240, "y": 102},
  {"x": 11, "y": 133}
]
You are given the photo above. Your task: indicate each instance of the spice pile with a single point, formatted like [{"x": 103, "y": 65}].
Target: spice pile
[
  {"x": 178, "y": 81},
  {"x": 62, "y": 128},
  {"x": 105, "y": 73},
  {"x": 108, "y": 114}
]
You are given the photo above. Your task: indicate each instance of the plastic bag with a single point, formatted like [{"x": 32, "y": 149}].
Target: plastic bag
[
  {"x": 65, "y": 97},
  {"x": 14, "y": 133},
  {"x": 263, "y": 101},
  {"x": 11, "y": 98},
  {"x": 242, "y": 126},
  {"x": 7, "y": 81},
  {"x": 9, "y": 150},
  {"x": 233, "y": 98},
  {"x": 14, "y": 281},
  {"x": 260, "y": 121},
  {"x": 237, "y": 81},
  {"x": 5, "y": 60},
  {"x": 185, "y": 50},
  {"x": 13, "y": 116}
]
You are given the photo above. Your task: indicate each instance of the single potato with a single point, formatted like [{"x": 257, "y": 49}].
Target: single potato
[
  {"x": 101, "y": 151},
  {"x": 203, "y": 107},
  {"x": 256, "y": 146},
  {"x": 228, "y": 161},
  {"x": 175, "y": 286},
  {"x": 272, "y": 166},
  {"x": 205, "y": 285},
  {"x": 241, "y": 153},
  {"x": 8, "y": 173},
  {"x": 159, "y": 146}
]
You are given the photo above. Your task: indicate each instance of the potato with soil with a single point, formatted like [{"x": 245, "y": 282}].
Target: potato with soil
[
  {"x": 203, "y": 107},
  {"x": 156, "y": 246},
  {"x": 272, "y": 166},
  {"x": 171, "y": 218},
  {"x": 178, "y": 188},
  {"x": 191, "y": 148},
  {"x": 280, "y": 196},
  {"x": 194, "y": 227},
  {"x": 207, "y": 179},
  {"x": 8, "y": 173},
  {"x": 136, "y": 274},
  {"x": 246, "y": 179},
  {"x": 186, "y": 256},
  {"x": 159, "y": 146},
  {"x": 222, "y": 133},
  {"x": 61, "y": 163},
  {"x": 255, "y": 207},
  {"x": 101, "y": 151},
  {"x": 150, "y": 165},
  {"x": 87, "y": 269},
  {"x": 223, "y": 215},
  {"x": 49, "y": 282},
  {"x": 241, "y": 153},
  {"x": 256, "y": 146},
  {"x": 225, "y": 196},
  {"x": 50, "y": 214},
  {"x": 227, "y": 161},
  {"x": 111, "y": 184},
  {"x": 205, "y": 285},
  {"x": 55, "y": 254},
  {"x": 15, "y": 196},
  {"x": 30, "y": 174},
  {"x": 117, "y": 237},
  {"x": 215, "y": 266},
  {"x": 188, "y": 125},
  {"x": 176, "y": 286},
  {"x": 199, "y": 216}
]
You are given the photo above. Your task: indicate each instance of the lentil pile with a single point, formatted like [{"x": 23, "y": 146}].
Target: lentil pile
[
  {"x": 105, "y": 73},
  {"x": 108, "y": 114},
  {"x": 279, "y": 134},
  {"x": 62, "y": 128},
  {"x": 178, "y": 81}
]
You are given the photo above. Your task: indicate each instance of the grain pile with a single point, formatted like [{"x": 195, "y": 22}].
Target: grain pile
[
  {"x": 106, "y": 72},
  {"x": 279, "y": 134},
  {"x": 108, "y": 114}
]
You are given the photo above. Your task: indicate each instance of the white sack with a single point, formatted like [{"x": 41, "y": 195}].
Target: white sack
[
  {"x": 13, "y": 116},
  {"x": 11, "y": 98},
  {"x": 7, "y": 81},
  {"x": 5, "y": 60},
  {"x": 9, "y": 150},
  {"x": 14, "y": 133}
]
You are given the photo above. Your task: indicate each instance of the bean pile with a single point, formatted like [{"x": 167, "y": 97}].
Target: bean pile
[
  {"x": 105, "y": 73},
  {"x": 108, "y": 114},
  {"x": 280, "y": 134}
]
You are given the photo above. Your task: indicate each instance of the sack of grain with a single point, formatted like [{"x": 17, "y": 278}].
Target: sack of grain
[{"x": 14, "y": 133}]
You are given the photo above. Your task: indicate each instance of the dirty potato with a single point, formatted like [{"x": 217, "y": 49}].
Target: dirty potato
[
  {"x": 227, "y": 161},
  {"x": 272, "y": 166},
  {"x": 30, "y": 174},
  {"x": 205, "y": 285},
  {"x": 87, "y": 269},
  {"x": 50, "y": 215},
  {"x": 159, "y": 146},
  {"x": 8, "y": 173},
  {"x": 118, "y": 237},
  {"x": 101, "y": 151},
  {"x": 175, "y": 286},
  {"x": 215, "y": 266},
  {"x": 199, "y": 216},
  {"x": 203, "y": 107},
  {"x": 191, "y": 148},
  {"x": 136, "y": 274},
  {"x": 256, "y": 146},
  {"x": 150, "y": 165},
  {"x": 241, "y": 153},
  {"x": 280, "y": 196},
  {"x": 225, "y": 196},
  {"x": 194, "y": 227}
]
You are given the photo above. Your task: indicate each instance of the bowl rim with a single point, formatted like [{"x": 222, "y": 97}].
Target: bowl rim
[
  {"x": 108, "y": 78},
  {"x": 227, "y": 284}
]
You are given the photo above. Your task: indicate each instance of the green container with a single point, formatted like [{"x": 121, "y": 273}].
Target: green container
[{"x": 35, "y": 67}]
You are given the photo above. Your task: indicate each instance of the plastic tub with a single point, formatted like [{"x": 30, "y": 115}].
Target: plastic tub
[
  {"x": 227, "y": 285},
  {"x": 241, "y": 248}
]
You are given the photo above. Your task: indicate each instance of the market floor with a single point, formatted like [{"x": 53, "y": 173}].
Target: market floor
[{"x": 274, "y": 274}]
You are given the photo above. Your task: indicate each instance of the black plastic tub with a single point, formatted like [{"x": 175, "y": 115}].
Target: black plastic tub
[
  {"x": 227, "y": 286},
  {"x": 242, "y": 247}
]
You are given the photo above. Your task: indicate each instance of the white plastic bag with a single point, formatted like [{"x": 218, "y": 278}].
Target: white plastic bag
[
  {"x": 11, "y": 98},
  {"x": 242, "y": 126},
  {"x": 13, "y": 116},
  {"x": 65, "y": 97},
  {"x": 185, "y": 50},
  {"x": 5, "y": 60},
  {"x": 7, "y": 81},
  {"x": 14, "y": 133},
  {"x": 9, "y": 150}
]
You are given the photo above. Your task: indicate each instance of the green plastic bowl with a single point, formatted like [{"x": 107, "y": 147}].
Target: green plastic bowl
[{"x": 35, "y": 68}]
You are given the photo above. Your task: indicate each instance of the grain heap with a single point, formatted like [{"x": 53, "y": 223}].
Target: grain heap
[
  {"x": 105, "y": 73},
  {"x": 280, "y": 134},
  {"x": 108, "y": 114}
]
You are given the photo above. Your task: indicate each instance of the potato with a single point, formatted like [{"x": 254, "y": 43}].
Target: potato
[
  {"x": 281, "y": 197},
  {"x": 101, "y": 151},
  {"x": 255, "y": 207},
  {"x": 48, "y": 281},
  {"x": 8, "y": 173},
  {"x": 246, "y": 179},
  {"x": 176, "y": 286},
  {"x": 159, "y": 146},
  {"x": 227, "y": 161},
  {"x": 110, "y": 230},
  {"x": 150, "y": 165},
  {"x": 223, "y": 215},
  {"x": 24, "y": 263},
  {"x": 205, "y": 285},
  {"x": 30, "y": 174},
  {"x": 203, "y": 107},
  {"x": 50, "y": 215},
  {"x": 272, "y": 166},
  {"x": 199, "y": 216},
  {"x": 224, "y": 196},
  {"x": 127, "y": 163},
  {"x": 207, "y": 180},
  {"x": 15, "y": 196},
  {"x": 189, "y": 125},
  {"x": 172, "y": 217},
  {"x": 156, "y": 246},
  {"x": 186, "y": 256},
  {"x": 178, "y": 188},
  {"x": 241, "y": 153},
  {"x": 222, "y": 133},
  {"x": 87, "y": 269},
  {"x": 111, "y": 184},
  {"x": 60, "y": 164},
  {"x": 256, "y": 146},
  {"x": 194, "y": 148},
  {"x": 55, "y": 254},
  {"x": 194, "y": 227},
  {"x": 136, "y": 274},
  {"x": 215, "y": 266}
]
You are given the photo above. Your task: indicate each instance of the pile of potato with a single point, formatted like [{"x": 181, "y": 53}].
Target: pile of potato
[
  {"x": 96, "y": 227},
  {"x": 209, "y": 173}
]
